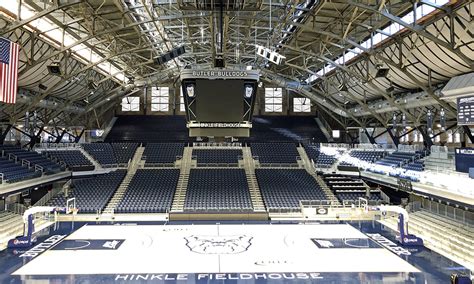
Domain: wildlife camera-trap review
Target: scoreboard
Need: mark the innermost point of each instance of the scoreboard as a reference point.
(466, 110)
(219, 102)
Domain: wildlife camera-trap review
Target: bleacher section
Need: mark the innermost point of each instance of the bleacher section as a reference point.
(149, 129)
(217, 156)
(103, 153)
(319, 158)
(124, 151)
(150, 191)
(162, 153)
(275, 153)
(14, 172)
(415, 166)
(349, 189)
(283, 188)
(93, 193)
(74, 159)
(217, 190)
(32, 157)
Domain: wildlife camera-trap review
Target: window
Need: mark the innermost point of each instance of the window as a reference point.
(131, 104)
(450, 137)
(457, 137)
(160, 99)
(273, 100)
(301, 105)
(181, 101)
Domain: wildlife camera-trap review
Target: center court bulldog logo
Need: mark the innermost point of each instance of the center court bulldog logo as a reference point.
(218, 244)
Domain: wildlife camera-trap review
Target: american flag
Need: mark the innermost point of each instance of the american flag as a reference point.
(8, 71)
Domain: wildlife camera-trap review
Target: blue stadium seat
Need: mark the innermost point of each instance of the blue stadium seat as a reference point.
(103, 153)
(150, 191)
(275, 153)
(283, 188)
(92, 193)
(217, 156)
(74, 159)
(162, 153)
(218, 190)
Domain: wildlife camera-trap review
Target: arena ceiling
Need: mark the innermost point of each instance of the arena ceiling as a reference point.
(107, 49)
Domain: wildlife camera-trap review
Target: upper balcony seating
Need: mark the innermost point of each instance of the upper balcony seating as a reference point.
(150, 191)
(14, 172)
(275, 153)
(364, 155)
(103, 153)
(124, 151)
(320, 159)
(396, 159)
(406, 160)
(74, 159)
(162, 153)
(217, 156)
(149, 129)
(34, 158)
(273, 128)
(283, 188)
(218, 190)
(91, 194)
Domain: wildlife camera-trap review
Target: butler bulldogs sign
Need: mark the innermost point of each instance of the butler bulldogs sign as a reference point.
(212, 74)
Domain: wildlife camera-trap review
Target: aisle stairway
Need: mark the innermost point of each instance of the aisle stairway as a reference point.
(118, 195)
(185, 169)
(308, 166)
(90, 158)
(255, 194)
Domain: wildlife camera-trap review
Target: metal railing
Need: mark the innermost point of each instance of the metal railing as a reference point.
(16, 208)
(47, 197)
(12, 157)
(459, 215)
(39, 168)
(217, 145)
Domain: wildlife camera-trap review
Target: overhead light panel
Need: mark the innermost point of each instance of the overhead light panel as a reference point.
(270, 55)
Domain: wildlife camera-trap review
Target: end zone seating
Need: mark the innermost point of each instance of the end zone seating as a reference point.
(275, 153)
(150, 191)
(102, 153)
(162, 153)
(124, 151)
(283, 188)
(93, 193)
(217, 190)
(217, 156)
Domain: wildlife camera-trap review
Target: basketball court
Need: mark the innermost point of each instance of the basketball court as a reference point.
(199, 249)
